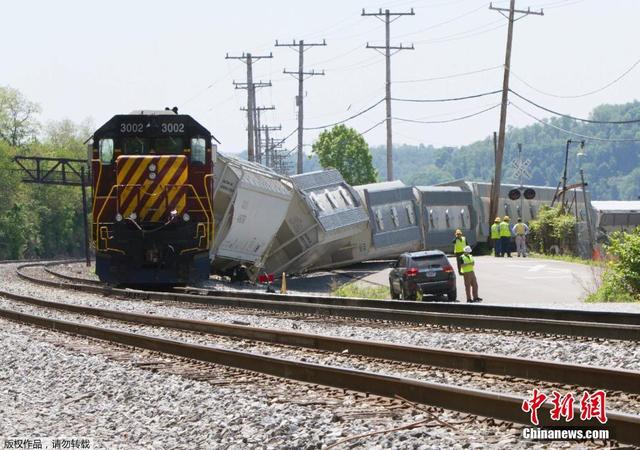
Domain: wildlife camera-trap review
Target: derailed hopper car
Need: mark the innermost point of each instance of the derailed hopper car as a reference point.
(251, 204)
(319, 229)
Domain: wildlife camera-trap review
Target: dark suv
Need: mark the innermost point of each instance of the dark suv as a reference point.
(428, 272)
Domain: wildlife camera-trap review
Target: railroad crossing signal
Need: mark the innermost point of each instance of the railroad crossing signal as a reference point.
(521, 168)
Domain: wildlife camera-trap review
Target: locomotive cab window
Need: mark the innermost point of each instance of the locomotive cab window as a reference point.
(198, 150)
(135, 146)
(168, 146)
(105, 148)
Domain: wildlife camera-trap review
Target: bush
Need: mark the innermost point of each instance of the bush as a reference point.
(553, 227)
(621, 280)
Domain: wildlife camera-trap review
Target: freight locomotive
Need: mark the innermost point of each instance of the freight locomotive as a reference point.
(152, 179)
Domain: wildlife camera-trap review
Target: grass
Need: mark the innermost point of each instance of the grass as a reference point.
(357, 290)
(568, 258)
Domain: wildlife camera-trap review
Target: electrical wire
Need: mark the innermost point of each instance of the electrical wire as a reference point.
(440, 100)
(608, 122)
(448, 120)
(446, 22)
(573, 133)
(455, 75)
(347, 119)
(584, 94)
(288, 136)
(374, 126)
(465, 34)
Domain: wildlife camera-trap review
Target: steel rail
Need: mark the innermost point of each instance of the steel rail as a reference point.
(556, 327)
(572, 315)
(623, 427)
(620, 318)
(579, 375)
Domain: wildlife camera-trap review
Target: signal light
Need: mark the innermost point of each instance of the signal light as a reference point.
(412, 272)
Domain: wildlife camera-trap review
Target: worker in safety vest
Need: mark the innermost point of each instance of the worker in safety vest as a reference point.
(505, 236)
(495, 237)
(520, 230)
(470, 281)
(459, 243)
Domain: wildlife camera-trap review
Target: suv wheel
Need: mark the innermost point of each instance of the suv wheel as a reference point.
(452, 295)
(392, 291)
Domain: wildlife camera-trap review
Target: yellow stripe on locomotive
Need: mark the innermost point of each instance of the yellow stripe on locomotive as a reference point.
(151, 188)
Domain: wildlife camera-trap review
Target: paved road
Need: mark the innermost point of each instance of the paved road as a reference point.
(532, 281)
(502, 281)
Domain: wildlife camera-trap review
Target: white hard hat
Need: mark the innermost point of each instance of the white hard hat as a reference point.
(467, 249)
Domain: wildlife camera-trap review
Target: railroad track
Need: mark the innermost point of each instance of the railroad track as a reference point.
(590, 324)
(624, 427)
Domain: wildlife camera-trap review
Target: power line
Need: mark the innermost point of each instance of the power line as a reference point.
(374, 126)
(463, 34)
(595, 91)
(573, 133)
(441, 100)
(348, 118)
(447, 77)
(446, 22)
(448, 120)
(608, 122)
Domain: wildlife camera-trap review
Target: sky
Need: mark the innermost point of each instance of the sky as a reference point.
(88, 59)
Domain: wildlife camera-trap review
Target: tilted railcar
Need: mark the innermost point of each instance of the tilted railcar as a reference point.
(152, 175)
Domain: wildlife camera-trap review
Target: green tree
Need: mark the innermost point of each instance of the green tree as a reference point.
(17, 117)
(345, 149)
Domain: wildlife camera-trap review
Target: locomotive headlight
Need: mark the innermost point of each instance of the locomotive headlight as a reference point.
(152, 168)
(133, 216)
(152, 175)
(118, 217)
(186, 217)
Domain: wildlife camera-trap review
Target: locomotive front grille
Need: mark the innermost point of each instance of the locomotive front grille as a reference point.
(152, 188)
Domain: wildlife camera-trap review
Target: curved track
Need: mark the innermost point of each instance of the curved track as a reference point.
(623, 427)
(622, 326)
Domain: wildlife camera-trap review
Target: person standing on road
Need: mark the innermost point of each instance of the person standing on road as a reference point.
(495, 237)
(459, 243)
(505, 236)
(470, 281)
(520, 230)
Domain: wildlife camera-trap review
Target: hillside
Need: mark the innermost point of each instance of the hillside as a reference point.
(611, 168)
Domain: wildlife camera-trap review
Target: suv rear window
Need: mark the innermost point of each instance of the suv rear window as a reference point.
(426, 261)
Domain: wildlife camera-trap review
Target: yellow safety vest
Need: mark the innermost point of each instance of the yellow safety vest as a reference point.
(467, 263)
(520, 229)
(495, 231)
(460, 245)
(505, 231)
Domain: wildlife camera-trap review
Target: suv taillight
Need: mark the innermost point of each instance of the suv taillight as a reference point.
(412, 272)
(448, 269)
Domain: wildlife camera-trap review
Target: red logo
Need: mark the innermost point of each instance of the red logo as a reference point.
(592, 405)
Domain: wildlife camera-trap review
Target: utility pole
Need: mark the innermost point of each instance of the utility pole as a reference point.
(387, 17)
(268, 142)
(495, 191)
(250, 86)
(257, 127)
(301, 75)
